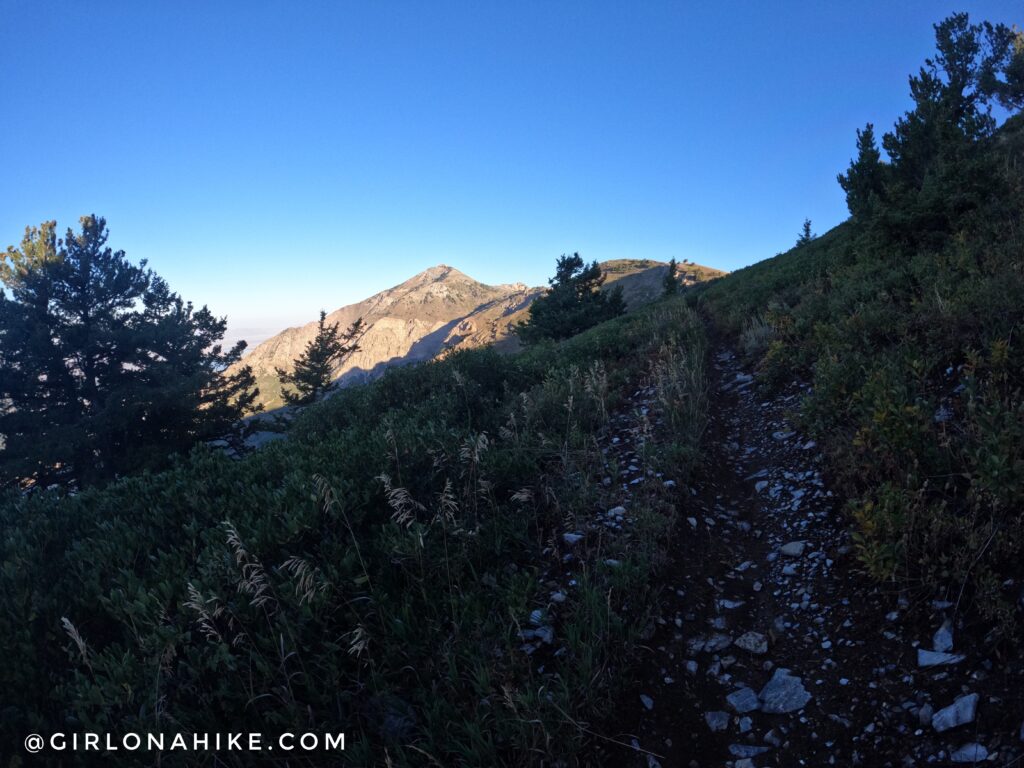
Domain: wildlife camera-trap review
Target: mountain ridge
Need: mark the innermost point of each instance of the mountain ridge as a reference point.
(436, 311)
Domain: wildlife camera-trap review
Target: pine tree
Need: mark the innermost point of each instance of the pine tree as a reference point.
(103, 370)
(864, 181)
(805, 234)
(670, 283)
(313, 371)
(574, 302)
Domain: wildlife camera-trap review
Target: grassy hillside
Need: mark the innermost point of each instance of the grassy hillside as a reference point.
(372, 573)
(910, 329)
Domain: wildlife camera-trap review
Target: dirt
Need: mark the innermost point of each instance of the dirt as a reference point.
(852, 642)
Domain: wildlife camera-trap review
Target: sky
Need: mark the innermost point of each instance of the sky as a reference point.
(270, 158)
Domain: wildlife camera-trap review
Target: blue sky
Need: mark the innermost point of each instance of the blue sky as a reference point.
(273, 158)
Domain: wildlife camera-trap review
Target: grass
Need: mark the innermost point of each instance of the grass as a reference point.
(373, 573)
(912, 343)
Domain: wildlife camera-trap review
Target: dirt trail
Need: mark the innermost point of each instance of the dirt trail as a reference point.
(773, 649)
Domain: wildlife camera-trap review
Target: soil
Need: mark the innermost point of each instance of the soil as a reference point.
(852, 642)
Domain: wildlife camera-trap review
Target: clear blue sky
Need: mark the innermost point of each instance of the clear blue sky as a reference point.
(273, 158)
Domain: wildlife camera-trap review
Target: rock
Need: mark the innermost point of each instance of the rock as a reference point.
(783, 693)
(959, 712)
(717, 720)
(760, 485)
(746, 750)
(942, 641)
(793, 549)
(924, 715)
(935, 659)
(780, 435)
(558, 597)
(742, 701)
(571, 538)
(536, 616)
(692, 521)
(616, 511)
(545, 634)
(717, 643)
(753, 642)
(647, 701)
(745, 724)
(970, 753)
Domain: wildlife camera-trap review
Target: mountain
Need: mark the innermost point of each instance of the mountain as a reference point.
(438, 310)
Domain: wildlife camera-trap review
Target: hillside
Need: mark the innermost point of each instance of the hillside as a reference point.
(416, 564)
(438, 311)
(776, 519)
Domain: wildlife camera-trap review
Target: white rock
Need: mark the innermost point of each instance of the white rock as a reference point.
(935, 659)
(942, 641)
(959, 712)
(792, 549)
(970, 753)
(753, 642)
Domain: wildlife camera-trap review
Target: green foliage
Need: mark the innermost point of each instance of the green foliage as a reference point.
(313, 371)
(907, 318)
(805, 234)
(670, 283)
(574, 302)
(371, 573)
(104, 371)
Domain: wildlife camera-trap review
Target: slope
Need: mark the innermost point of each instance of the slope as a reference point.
(436, 312)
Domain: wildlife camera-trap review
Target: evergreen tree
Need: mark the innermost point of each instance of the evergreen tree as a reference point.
(939, 169)
(805, 234)
(313, 372)
(574, 302)
(104, 371)
(670, 283)
(864, 182)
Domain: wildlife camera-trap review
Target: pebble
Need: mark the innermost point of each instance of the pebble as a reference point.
(744, 700)
(717, 720)
(934, 658)
(783, 693)
(970, 753)
(753, 642)
(943, 638)
(959, 712)
(792, 549)
(647, 701)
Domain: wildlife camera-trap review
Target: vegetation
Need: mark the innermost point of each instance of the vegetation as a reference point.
(574, 303)
(908, 318)
(103, 370)
(372, 572)
(670, 283)
(805, 234)
(313, 372)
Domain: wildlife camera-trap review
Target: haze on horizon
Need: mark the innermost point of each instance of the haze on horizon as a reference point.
(269, 160)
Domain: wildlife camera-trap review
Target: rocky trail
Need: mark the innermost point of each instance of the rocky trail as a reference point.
(772, 648)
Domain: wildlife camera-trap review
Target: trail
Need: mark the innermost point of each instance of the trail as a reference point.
(774, 649)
